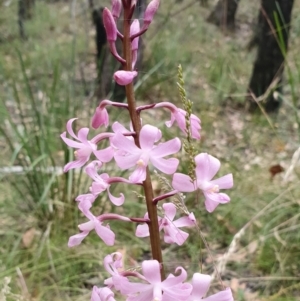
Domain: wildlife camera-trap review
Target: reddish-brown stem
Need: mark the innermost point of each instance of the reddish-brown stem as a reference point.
(136, 123)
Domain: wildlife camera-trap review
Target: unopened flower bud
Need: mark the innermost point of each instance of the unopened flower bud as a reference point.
(116, 8)
(149, 13)
(134, 28)
(111, 33)
(110, 25)
(124, 78)
(100, 118)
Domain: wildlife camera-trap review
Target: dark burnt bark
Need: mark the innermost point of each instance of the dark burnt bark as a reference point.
(100, 40)
(224, 13)
(272, 39)
(25, 12)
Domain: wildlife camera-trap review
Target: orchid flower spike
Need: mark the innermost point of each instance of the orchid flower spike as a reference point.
(129, 155)
(206, 168)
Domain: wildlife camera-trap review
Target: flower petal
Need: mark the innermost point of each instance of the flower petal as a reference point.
(225, 182)
(70, 129)
(121, 142)
(170, 211)
(206, 166)
(225, 295)
(102, 294)
(118, 127)
(171, 281)
(148, 136)
(151, 271)
(167, 148)
(75, 164)
(76, 239)
(167, 166)
(82, 135)
(142, 231)
(210, 205)
(214, 199)
(139, 175)
(126, 161)
(118, 201)
(107, 235)
(183, 183)
(70, 142)
(201, 285)
(184, 221)
(105, 155)
(217, 197)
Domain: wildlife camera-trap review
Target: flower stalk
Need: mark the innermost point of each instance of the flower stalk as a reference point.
(136, 123)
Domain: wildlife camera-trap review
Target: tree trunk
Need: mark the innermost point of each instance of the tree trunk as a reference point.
(100, 41)
(272, 40)
(224, 13)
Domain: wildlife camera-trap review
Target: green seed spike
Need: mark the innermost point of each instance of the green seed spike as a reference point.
(187, 105)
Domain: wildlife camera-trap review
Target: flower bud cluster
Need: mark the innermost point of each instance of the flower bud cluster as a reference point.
(137, 152)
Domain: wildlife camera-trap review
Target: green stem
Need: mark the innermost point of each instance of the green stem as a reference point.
(136, 123)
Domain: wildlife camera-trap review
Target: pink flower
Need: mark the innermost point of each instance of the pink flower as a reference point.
(102, 182)
(113, 265)
(124, 78)
(129, 155)
(100, 117)
(169, 226)
(171, 289)
(201, 285)
(206, 168)
(85, 147)
(178, 115)
(95, 223)
(86, 198)
(102, 294)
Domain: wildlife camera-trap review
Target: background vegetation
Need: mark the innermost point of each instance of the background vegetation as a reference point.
(50, 77)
